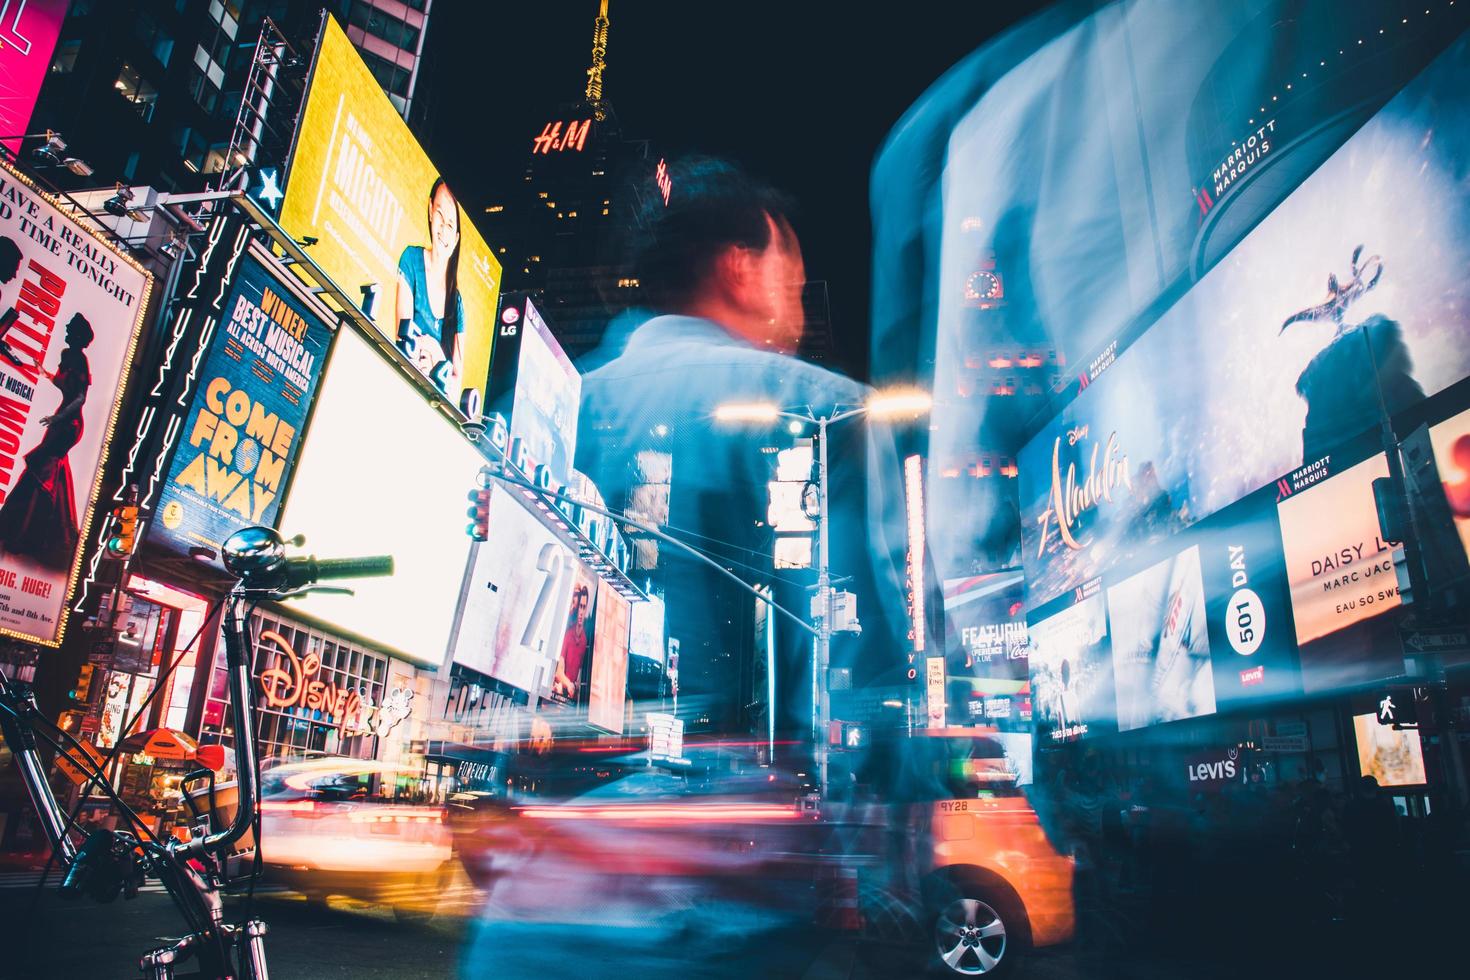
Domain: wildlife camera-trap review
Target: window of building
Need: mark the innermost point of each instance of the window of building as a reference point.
(393, 78)
(215, 159)
(212, 69)
(227, 15)
(65, 60)
(203, 91)
(137, 90)
(158, 41)
(383, 25)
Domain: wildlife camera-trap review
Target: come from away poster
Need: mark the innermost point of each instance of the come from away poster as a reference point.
(245, 422)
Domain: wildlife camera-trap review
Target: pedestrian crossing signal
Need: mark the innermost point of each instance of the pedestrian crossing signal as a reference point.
(125, 541)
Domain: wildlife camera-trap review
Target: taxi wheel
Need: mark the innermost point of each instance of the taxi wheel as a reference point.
(974, 931)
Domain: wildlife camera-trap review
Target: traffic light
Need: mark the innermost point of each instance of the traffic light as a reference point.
(84, 684)
(479, 513)
(71, 721)
(126, 539)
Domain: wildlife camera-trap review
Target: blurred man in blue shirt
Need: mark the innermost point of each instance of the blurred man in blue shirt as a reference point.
(722, 266)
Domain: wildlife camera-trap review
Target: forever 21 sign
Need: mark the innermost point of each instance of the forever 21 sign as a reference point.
(1214, 769)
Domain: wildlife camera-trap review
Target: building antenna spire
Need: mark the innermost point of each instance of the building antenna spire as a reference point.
(599, 63)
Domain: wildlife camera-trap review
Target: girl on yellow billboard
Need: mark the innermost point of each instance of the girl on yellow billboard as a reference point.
(429, 310)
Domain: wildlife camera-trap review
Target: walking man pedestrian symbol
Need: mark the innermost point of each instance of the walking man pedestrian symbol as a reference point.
(1385, 709)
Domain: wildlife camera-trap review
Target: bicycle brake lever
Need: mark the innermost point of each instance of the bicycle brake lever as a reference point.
(320, 589)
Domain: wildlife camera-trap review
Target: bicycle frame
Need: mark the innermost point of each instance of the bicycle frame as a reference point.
(183, 867)
(195, 871)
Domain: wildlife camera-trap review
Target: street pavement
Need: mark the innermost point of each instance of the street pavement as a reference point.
(346, 938)
(43, 937)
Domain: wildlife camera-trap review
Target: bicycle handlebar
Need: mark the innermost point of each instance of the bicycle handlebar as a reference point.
(255, 556)
(306, 571)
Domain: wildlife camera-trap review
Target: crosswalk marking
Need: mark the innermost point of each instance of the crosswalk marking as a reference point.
(152, 886)
(458, 897)
(29, 879)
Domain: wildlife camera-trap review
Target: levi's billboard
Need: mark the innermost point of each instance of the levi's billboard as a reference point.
(1214, 769)
(245, 421)
(388, 230)
(1290, 347)
(71, 307)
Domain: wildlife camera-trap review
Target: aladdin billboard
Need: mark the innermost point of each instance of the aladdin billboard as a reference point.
(71, 306)
(388, 230)
(1259, 374)
(248, 412)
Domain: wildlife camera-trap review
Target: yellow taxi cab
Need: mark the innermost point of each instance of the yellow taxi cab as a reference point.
(993, 884)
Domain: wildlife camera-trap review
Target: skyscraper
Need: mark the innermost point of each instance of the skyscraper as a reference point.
(149, 92)
(558, 228)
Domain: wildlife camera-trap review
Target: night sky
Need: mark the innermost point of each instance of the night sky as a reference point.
(802, 93)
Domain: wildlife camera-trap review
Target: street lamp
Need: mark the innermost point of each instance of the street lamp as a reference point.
(893, 403)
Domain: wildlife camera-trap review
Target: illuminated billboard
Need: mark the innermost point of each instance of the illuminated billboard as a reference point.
(71, 306)
(1247, 603)
(646, 634)
(28, 33)
(1394, 758)
(1072, 686)
(1451, 442)
(517, 599)
(985, 625)
(386, 227)
(382, 471)
(987, 650)
(244, 424)
(569, 681)
(1161, 645)
(608, 690)
(1258, 371)
(1339, 567)
(535, 387)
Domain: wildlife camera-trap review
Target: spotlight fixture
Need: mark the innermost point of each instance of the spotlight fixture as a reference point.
(173, 247)
(117, 204)
(307, 241)
(51, 152)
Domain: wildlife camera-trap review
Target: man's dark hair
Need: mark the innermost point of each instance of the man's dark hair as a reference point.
(713, 205)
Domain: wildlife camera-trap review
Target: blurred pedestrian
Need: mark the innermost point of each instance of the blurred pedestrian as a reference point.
(721, 271)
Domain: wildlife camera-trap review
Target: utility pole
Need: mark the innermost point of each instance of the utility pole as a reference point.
(822, 706)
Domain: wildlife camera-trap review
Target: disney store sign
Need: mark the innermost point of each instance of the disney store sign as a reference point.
(295, 682)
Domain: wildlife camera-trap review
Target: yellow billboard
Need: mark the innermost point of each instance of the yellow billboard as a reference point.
(388, 229)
